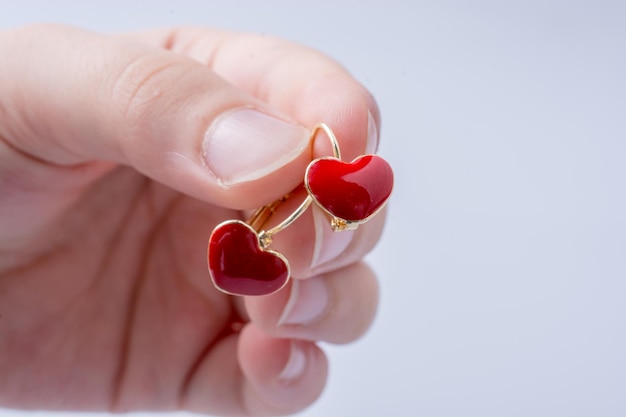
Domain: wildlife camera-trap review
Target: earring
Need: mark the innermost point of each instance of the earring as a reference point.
(351, 193)
(240, 262)
(239, 259)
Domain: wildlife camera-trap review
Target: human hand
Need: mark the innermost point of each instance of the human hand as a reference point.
(118, 156)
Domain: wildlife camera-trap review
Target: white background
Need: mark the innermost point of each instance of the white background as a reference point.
(503, 266)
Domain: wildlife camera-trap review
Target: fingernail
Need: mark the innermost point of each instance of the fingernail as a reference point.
(245, 144)
(328, 243)
(308, 301)
(372, 134)
(295, 366)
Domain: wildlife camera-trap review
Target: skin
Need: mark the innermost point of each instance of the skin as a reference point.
(105, 300)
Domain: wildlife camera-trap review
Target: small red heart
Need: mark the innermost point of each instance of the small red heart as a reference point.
(350, 191)
(239, 266)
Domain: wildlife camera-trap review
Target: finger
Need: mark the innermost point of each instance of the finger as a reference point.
(71, 96)
(297, 80)
(336, 307)
(254, 374)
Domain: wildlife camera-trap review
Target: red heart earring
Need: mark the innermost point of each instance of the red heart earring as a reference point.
(240, 262)
(350, 192)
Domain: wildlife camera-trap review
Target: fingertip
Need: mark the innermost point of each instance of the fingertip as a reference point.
(337, 307)
(283, 376)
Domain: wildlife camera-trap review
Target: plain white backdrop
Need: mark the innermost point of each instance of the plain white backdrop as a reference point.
(503, 266)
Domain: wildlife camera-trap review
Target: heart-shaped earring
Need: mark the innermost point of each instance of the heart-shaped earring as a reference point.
(350, 192)
(240, 262)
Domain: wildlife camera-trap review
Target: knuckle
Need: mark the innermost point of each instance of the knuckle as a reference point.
(140, 90)
(143, 94)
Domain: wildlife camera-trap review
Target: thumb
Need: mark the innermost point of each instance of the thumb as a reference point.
(71, 96)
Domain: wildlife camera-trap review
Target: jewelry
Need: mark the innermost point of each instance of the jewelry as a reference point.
(240, 262)
(239, 259)
(351, 193)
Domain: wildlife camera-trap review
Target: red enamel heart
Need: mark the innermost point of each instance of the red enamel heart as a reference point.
(350, 191)
(239, 266)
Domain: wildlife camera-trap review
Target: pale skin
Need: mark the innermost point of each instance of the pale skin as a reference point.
(106, 208)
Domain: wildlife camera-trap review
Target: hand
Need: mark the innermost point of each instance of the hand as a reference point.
(118, 156)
